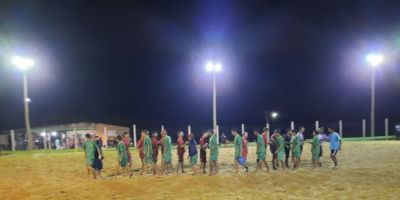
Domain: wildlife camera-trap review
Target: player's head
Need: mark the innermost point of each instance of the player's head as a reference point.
(88, 136)
(331, 130)
(302, 129)
(190, 136)
(315, 133)
(164, 132)
(154, 133)
(256, 132)
(180, 133)
(144, 133)
(126, 135)
(277, 132)
(294, 131)
(245, 134)
(96, 137)
(118, 138)
(321, 129)
(265, 129)
(234, 131)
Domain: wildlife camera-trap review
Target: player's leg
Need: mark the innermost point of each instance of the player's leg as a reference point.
(266, 165)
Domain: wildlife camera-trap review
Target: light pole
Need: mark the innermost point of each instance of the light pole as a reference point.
(25, 64)
(374, 60)
(214, 68)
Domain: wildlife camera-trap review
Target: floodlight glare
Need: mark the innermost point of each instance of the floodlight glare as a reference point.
(209, 66)
(22, 63)
(374, 59)
(28, 100)
(43, 134)
(218, 67)
(274, 115)
(53, 133)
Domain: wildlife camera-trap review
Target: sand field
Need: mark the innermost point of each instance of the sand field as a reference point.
(367, 170)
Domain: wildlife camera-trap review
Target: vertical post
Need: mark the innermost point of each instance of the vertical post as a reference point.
(26, 108)
(215, 103)
(217, 129)
(162, 127)
(76, 139)
(189, 130)
(316, 125)
(12, 140)
(44, 139)
(134, 134)
(292, 125)
(341, 128)
(105, 135)
(364, 127)
(242, 129)
(49, 139)
(373, 103)
(268, 132)
(386, 127)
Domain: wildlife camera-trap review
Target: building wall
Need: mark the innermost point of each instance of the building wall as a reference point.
(112, 131)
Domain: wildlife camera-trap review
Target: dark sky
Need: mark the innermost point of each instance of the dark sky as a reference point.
(143, 62)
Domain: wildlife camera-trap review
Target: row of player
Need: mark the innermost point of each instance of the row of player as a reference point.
(281, 146)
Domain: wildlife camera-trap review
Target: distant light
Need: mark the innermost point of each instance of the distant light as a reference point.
(43, 134)
(63, 136)
(22, 63)
(374, 59)
(28, 100)
(53, 133)
(274, 115)
(210, 66)
(218, 67)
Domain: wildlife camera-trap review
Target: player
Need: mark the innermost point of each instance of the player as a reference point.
(260, 151)
(322, 137)
(335, 145)
(203, 150)
(238, 150)
(147, 152)
(213, 153)
(280, 147)
(155, 144)
(245, 148)
(122, 156)
(193, 153)
(295, 145)
(315, 148)
(90, 147)
(288, 137)
(302, 129)
(140, 148)
(180, 151)
(167, 154)
(265, 137)
(98, 157)
(272, 148)
(127, 142)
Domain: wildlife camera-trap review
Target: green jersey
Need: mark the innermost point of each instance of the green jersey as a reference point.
(295, 142)
(260, 148)
(122, 155)
(148, 150)
(213, 148)
(89, 147)
(315, 148)
(238, 146)
(281, 148)
(167, 144)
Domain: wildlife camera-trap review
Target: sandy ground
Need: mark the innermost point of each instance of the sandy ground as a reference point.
(368, 170)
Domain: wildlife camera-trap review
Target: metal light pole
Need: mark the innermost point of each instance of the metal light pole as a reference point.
(25, 64)
(374, 60)
(214, 68)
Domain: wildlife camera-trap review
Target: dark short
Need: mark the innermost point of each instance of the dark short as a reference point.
(334, 151)
(287, 152)
(320, 151)
(181, 152)
(203, 156)
(301, 149)
(155, 155)
(272, 148)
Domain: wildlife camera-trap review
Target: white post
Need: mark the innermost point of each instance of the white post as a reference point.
(44, 139)
(217, 129)
(341, 128)
(105, 135)
(292, 125)
(268, 131)
(215, 104)
(12, 140)
(189, 130)
(134, 134)
(316, 125)
(386, 127)
(162, 127)
(364, 128)
(49, 139)
(76, 139)
(242, 129)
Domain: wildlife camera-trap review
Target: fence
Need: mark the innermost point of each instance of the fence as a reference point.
(17, 139)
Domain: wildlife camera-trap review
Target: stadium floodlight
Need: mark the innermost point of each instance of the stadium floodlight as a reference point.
(24, 64)
(274, 115)
(374, 60)
(53, 133)
(214, 67)
(43, 134)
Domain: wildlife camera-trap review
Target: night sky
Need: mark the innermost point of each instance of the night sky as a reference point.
(125, 62)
